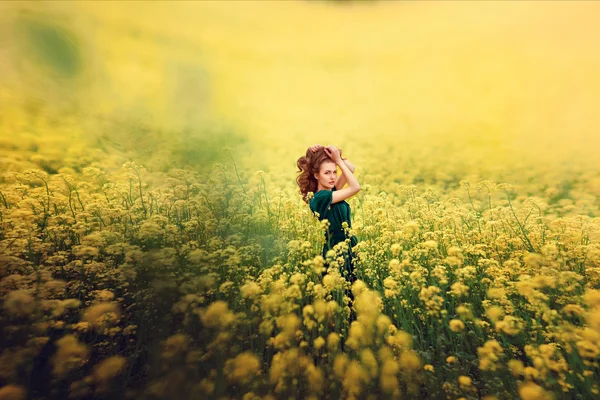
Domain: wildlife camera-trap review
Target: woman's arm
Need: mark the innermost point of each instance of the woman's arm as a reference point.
(341, 180)
(353, 185)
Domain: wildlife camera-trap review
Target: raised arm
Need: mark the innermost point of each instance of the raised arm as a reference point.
(353, 185)
(341, 180)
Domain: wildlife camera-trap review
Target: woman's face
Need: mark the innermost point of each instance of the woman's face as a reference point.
(327, 175)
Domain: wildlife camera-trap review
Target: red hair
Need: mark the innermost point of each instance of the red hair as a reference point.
(308, 165)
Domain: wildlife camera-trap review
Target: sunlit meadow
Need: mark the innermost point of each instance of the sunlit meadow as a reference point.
(153, 243)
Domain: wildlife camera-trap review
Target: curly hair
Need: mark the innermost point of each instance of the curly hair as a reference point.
(308, 165)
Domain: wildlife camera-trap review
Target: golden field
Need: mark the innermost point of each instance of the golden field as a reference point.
(153, 244)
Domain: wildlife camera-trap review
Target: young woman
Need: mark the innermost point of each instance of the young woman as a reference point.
(319, 175)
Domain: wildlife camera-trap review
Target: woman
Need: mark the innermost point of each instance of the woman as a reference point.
(318, 174)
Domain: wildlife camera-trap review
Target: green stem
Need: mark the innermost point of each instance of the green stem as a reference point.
(236, 172)
(4, 200)
(521, 227)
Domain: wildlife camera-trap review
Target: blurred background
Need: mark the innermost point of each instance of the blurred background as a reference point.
(447, 89)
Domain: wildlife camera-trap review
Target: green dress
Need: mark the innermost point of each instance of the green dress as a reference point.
(336, 213)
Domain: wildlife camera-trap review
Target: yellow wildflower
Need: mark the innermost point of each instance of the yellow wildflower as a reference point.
(400, 340)
(465, 382)
(332, 341)
(217, 315)
(388, 379)
(494, 313)
(71, 354)
(531, 373)
(456, 325)
(318, 342)
(459, 289)
(409, 360)
(12, 392)
(532, 391)
(108, 369)
(250, 289)
(516, 367)
(101, 315)
(243, 368)
(19, 303)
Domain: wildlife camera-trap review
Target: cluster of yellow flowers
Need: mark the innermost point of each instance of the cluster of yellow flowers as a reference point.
(235, 283)
(478, 261)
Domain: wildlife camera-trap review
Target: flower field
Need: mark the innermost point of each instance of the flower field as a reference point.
(138, 262)
(207, 289)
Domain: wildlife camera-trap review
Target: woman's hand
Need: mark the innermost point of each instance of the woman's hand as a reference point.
(333, 153)
(316, 147)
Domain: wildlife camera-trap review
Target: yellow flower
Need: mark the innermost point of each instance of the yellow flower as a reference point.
(489, 355)
(368, 305)
(368, 359)
(318, 342)
(454, 251)
(464, 312)
(516, 367)
(430, 244)
(510, 325)
(12, 392)
(108, 369)
(71, 354)
(388, 379)
(250, 289)
(355, 378)
(100, 315)
(494, 313)
(456, 325)
(332, 341)
(308, 311)
(329, 281)
(409, 360)
(432, 300)
(315, 378)
(358, 287)
(573, 310)
(593, 319)
(464, 382)
(251, 396)
(19, 303)
(395, 249)
(356, 335)
(428, 368)
(242, 368)
(401, 340)
(217, 315)
(175, 345)
(531, 373)
(591, 335)
(451, 359)
(103, 295)
(339, 365)
(459, 289)
(592, 298)
(319, 264)
(330, 253)
(383, 323)
(587, 349)
(531, 391)
(391, 286)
